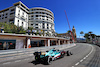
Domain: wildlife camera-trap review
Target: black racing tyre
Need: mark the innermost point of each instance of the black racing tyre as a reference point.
(68, 53)
(49, 60)
(71, 53)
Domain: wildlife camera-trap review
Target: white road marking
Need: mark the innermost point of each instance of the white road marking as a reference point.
(26, 59)
(7, 63)
(84, 57)
(77, 63)
(81, 60)
(17, 60)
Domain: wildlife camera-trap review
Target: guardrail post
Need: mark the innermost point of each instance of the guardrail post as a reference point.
(59, 42)
(64, 41)
(68, 42)
(48, 42)
(28, 42)
(56, 42)
(45, 43)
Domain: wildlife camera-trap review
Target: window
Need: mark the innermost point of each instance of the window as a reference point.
(19, 10)
(43, 16)
(18, 14)
(47, 27)
(6, 13)
(36, 27)
(5, 17)
(42, 12)
(36, 15)
(0, 15)
(36, 24)
(32, 24)
(11, 13)
(32, 16)
(18, 20)
(47, 24)
(22, 23)
(43, 23)
(43, 27)
(12, 9)
(23, 13)
(32, 9)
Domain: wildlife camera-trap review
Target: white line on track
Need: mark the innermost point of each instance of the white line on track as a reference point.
(7, 63)
(84, 57)
(26, 59)
(17, 60)
(81, 60)
(77, 63)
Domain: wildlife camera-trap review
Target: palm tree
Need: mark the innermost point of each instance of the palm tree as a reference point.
(90, 35)
(90, 32)
(81, 32)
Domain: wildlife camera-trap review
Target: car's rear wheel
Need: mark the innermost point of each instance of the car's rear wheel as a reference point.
(68, 53)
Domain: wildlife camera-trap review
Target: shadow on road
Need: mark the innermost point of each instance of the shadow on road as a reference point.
(37, 62)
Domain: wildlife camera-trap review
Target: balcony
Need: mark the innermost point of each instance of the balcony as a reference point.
(23, 18)
(12, 15)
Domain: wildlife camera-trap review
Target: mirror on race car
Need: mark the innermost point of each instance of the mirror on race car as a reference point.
(47, 51)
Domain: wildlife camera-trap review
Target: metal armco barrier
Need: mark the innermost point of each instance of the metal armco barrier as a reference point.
(5, 54)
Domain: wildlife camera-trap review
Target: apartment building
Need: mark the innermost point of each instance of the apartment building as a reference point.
(16, 14)
(41, 19)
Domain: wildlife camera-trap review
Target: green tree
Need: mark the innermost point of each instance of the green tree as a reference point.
(11, 28)
(30, 28)
(90, 32)
(81, 32)
(20, 30)
(93, 35)
(68, 31)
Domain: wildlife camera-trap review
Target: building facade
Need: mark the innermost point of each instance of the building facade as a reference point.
(74, 33)
(16, 14)
(42, 19)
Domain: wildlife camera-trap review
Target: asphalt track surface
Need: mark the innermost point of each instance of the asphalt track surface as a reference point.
(82, 56)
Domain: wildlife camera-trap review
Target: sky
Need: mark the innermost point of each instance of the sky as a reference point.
(84, 15)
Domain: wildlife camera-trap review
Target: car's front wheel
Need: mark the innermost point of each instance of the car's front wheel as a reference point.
(49, 60)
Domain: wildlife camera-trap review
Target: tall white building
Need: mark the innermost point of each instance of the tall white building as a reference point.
(41, 19)
(17, 14)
